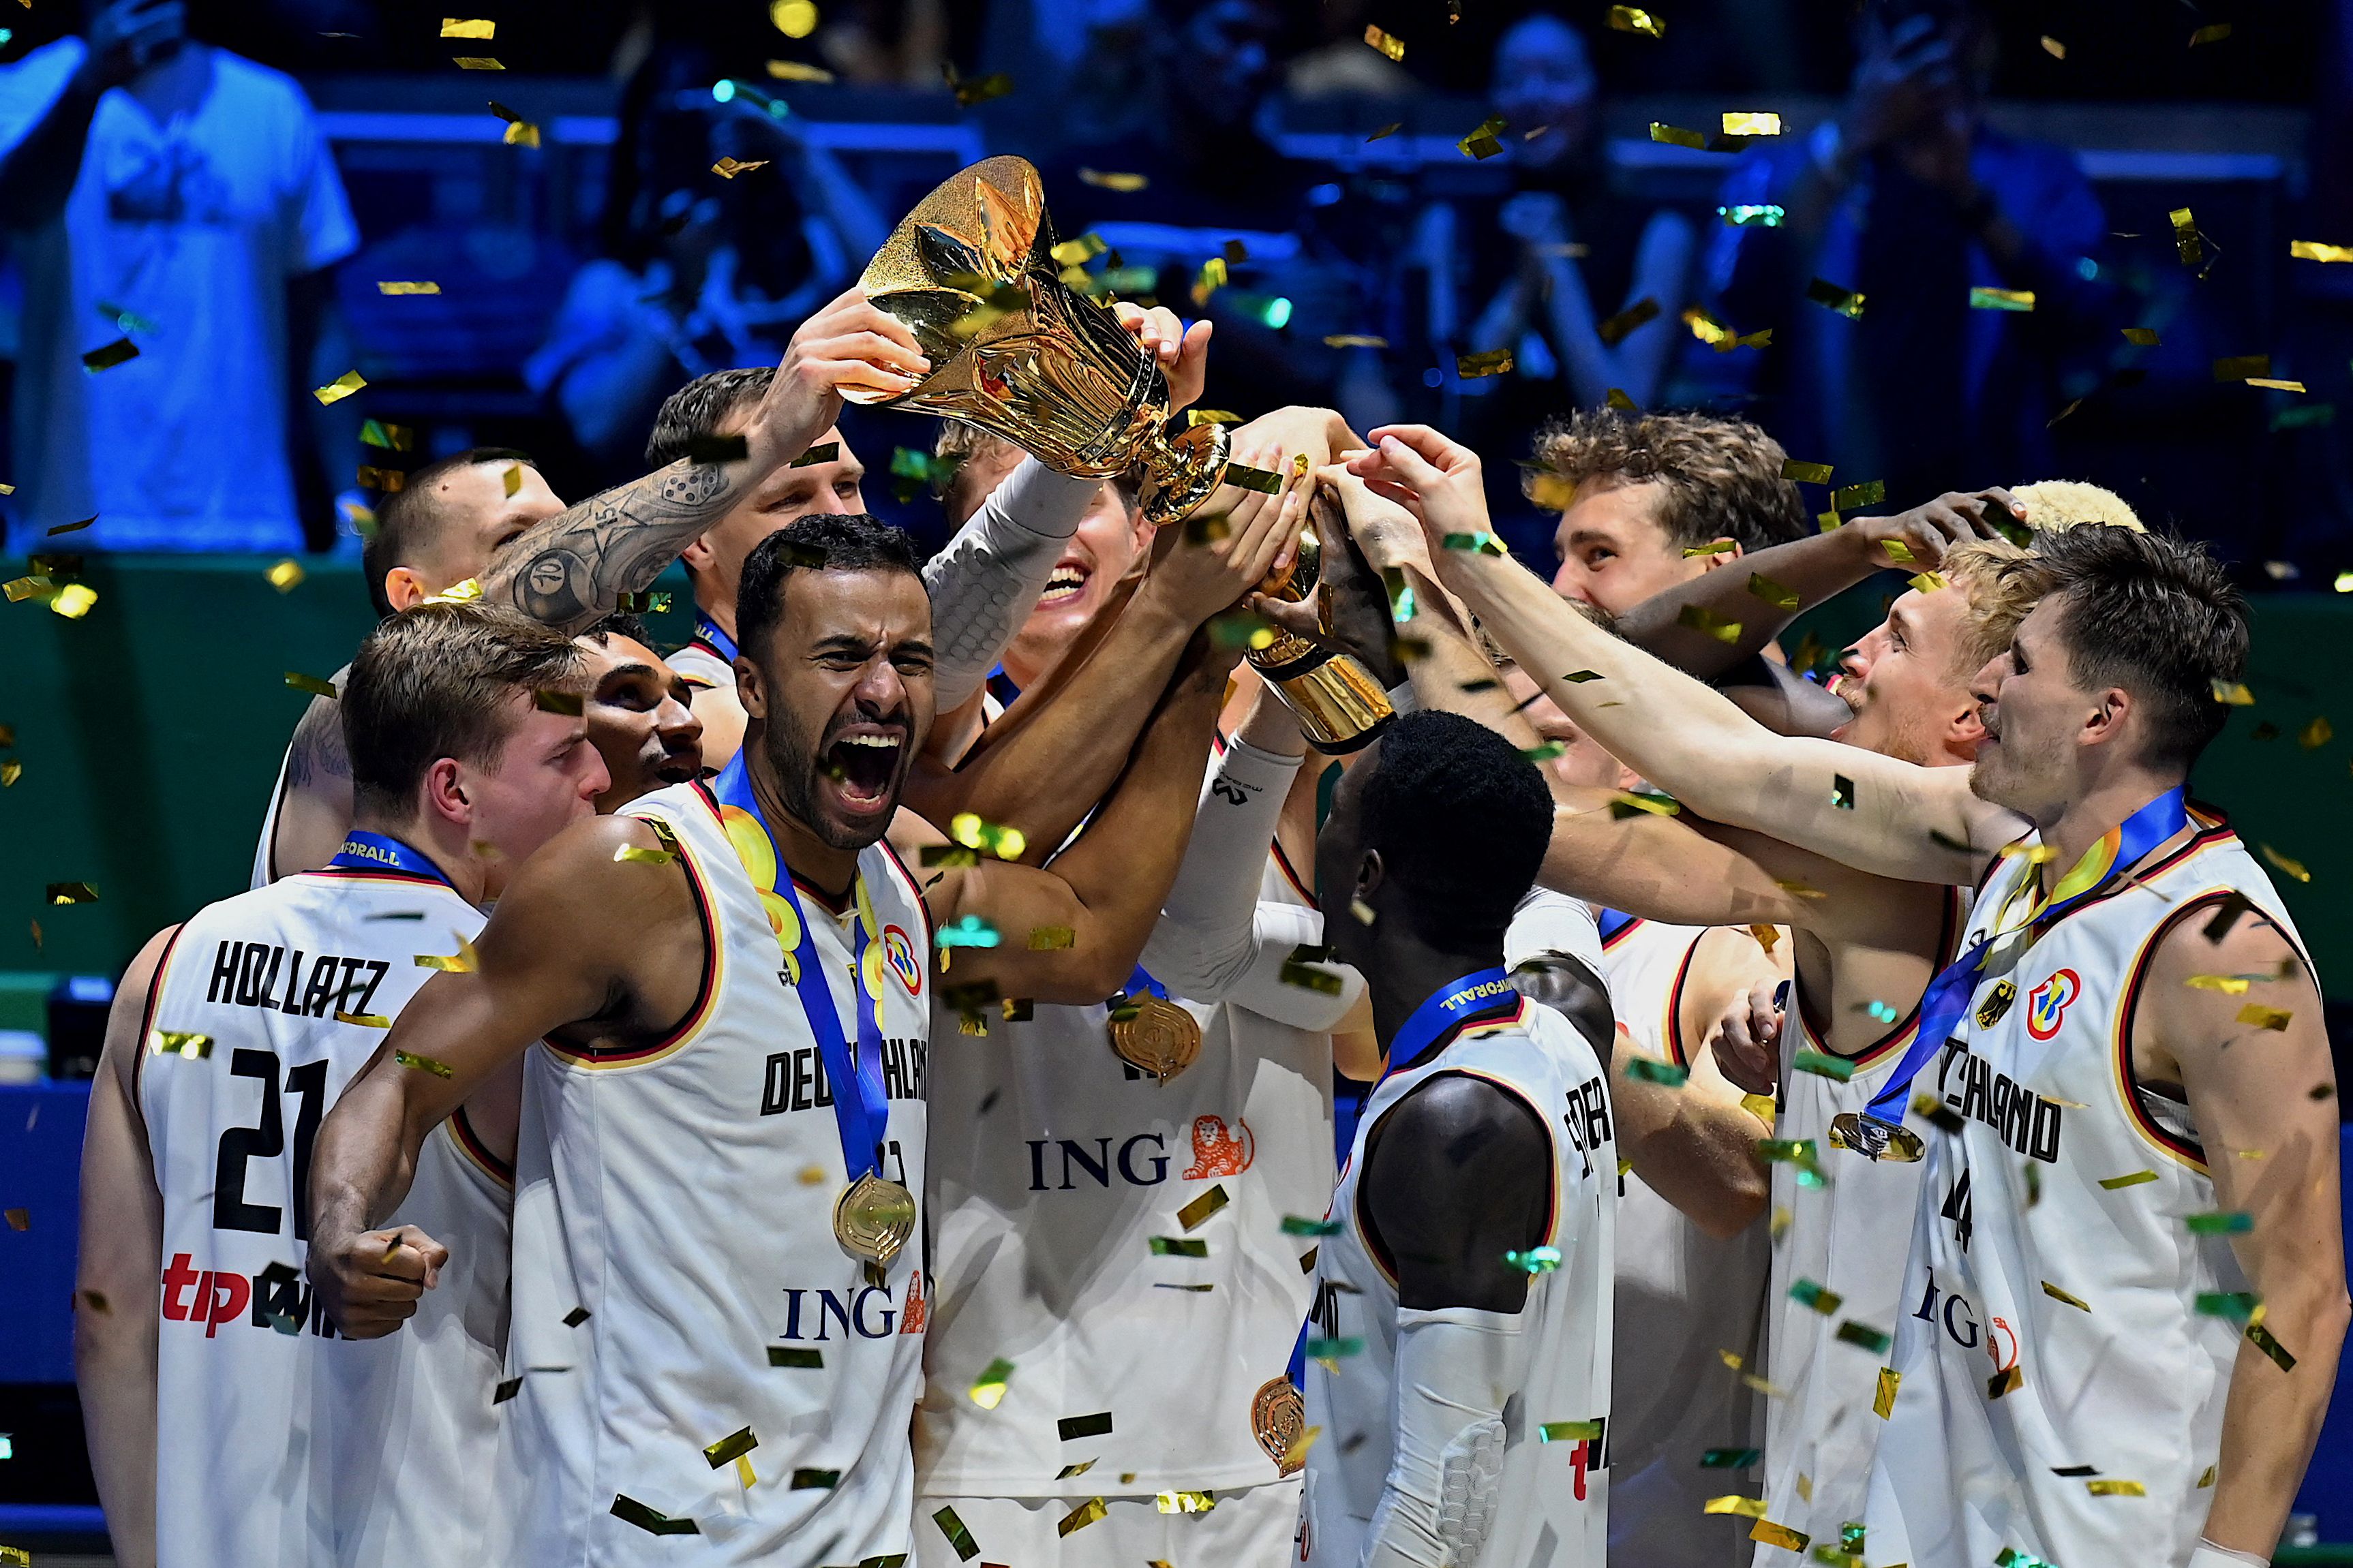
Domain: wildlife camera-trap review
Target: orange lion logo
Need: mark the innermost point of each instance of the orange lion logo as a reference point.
(1217, 1153)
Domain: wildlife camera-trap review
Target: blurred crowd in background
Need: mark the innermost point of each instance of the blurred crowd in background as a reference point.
(202, 201)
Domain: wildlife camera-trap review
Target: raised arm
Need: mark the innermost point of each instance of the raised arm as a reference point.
(1044, 765)
(1871, 812)
(2266, 1114)
(121, 1256)
(569, 571)
(1106, 890)
(564, 948)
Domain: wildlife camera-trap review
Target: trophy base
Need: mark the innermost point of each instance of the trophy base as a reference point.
(1340, 706)
(1182, 472)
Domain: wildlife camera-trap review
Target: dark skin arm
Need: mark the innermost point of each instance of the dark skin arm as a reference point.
(1457, 1174)
(1045, 762)
(1108, 887)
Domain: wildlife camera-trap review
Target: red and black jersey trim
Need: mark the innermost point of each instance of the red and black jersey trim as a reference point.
(147, 1014)
(462, 1130)
(622, 1056)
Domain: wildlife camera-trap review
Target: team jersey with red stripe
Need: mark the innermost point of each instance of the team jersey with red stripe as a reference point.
(1552, 1506)
(1694, 1294)
(277, 1441)
(1846, 1233)
(678, 1281)
(2049, 1337)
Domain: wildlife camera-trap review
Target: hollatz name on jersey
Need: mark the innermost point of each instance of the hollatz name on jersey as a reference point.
(277, 1297)
(2022, 1118)
(245, 975)
(796, 1080)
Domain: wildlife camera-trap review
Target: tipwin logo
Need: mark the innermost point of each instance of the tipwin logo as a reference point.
(2047, 1004)
(279, 1297)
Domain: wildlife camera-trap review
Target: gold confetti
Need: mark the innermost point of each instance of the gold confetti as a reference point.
(2239, 367)
(477, 63)
(2141, 337)
(73, 600)
(731, 1447)
(115, 354)
(285, 576)
(312, 684)
(1390, 44)
(343, 386)
(2317, 734)
(404, 1058)
(2114, 1183)
(1110, 180)
(2115, 1489)
(1699, 618)
(1185, 1502)
(1752, 124)
(1619, 401)
(988, 1389)
(1883, 1403)
(1387, 131)
(2229, 985)
(728, 168)
(2261, 1337)
(1676, 136)
(451, 27)
(1929, 582)
(1806, 473)
(1760, 1106)
(2293, 867)
(1354, 341)
(794, 18)
(794, 71)
(69, 893)
(1779, 596)
(1781, 1535)
(1294, 1452)
(10, 771)
(643, 856)
(1744, 1507)
(1615, 330)
(1078, 1518)
(2001, 299)
(2212, 33)
(1194, 1214)
(2054, 47)
(1471, 367)
(2273, 1018)
(2009, 1379)
(391, 288)
(19, 1219)
(2056, 1294)
(1631, 20)
(1482, 142)
(2234, 692)
(2313, 250)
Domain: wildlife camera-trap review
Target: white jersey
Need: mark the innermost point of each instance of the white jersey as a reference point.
(1552, 1506)
(262, 851)
(708, 661)
(2051, 1339)
(1051, 1177)
(1847, 1235)
(277, 1441)
(678, 1279)
(1695, 1296)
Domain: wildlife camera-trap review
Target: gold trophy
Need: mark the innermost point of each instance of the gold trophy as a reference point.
(1017, 351)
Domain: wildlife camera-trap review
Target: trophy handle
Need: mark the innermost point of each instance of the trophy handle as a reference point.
(1181, 471)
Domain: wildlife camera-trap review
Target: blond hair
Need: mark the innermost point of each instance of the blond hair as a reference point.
(1999, 598)
(2071, 503)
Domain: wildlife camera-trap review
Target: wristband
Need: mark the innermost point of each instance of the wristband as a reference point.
(1402, 700)
(2209, 1555)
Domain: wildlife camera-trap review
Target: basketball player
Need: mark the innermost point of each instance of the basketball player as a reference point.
(1458, 1393)
(2092, 719)
(717, 1196)
(456, 521)
(638, 713)
(238, 1417)
(1028, 516)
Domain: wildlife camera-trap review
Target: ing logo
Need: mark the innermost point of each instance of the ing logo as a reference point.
(2047, 1004)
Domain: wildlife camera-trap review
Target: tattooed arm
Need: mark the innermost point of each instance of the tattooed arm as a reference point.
(569, 571)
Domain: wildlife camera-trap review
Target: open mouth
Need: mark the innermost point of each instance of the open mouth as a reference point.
(678, 767)
(1846, 686)
(863, 763)
(1069, 581)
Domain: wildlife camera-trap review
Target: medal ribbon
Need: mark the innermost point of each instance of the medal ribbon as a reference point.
(1948, 996)
(1450, 1005)
(1141, 983)
(1612, 921)
(707, 630)
(861, 1109)
(381, 852)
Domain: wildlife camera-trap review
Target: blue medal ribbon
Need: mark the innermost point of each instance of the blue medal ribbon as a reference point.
(707, 630)
(1141, 982)
(381, 852)
(1612, 921)
(1449, 1006)
(861, 1109)
(1948, 996)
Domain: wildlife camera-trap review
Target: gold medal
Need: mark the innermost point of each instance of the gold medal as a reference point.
(873, 1218)
(1875, 1140)
(1153, 1035)
(1277, 1417)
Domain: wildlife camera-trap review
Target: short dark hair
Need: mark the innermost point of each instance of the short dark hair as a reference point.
(1722, 475)
(1462, 820)
(408, 520)
(845, 542)
(619, 624)
(2153, 614)
(696, 410)
(433, 682)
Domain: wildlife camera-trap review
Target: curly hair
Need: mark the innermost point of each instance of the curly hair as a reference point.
(1722, 477)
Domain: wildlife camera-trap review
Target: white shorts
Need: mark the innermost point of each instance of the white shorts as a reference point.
(1252, 1526)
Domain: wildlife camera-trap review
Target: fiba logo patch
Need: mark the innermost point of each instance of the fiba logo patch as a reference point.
(900, 953)
(2047, 1004)
(1218, 1151)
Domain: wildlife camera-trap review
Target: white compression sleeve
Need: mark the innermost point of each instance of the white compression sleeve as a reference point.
(1456, 1370)
(2209, 1556)
(987, 580)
